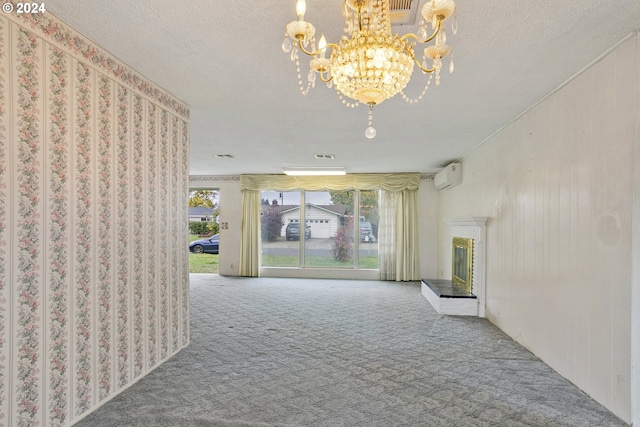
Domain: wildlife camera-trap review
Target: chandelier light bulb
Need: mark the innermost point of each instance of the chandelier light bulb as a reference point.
(301, 8)
(322, 46)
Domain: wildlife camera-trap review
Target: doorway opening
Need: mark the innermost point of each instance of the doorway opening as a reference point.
(204, 227)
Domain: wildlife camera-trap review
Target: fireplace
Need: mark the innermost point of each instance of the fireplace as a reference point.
(461, 289)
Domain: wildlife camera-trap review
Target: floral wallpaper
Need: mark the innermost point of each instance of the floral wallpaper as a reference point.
(93, 224)
(104, 255)
(27, 220)
(4, 218)
(58, 235)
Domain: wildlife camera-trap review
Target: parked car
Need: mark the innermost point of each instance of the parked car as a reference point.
(210, 245)
(366, 232)
(293, 231)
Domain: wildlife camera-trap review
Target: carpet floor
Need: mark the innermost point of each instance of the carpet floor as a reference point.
(292, 352)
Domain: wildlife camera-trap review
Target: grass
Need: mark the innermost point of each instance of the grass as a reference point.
(202, 263)
(209, 263)
(292, 261)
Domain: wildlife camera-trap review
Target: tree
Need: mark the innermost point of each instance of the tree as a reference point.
(368, 202)
(203, 198)
(271, 223)
(344, 198)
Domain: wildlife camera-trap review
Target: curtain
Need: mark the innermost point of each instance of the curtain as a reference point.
(387, 235)
(357, 181)
(398, 242)
(250, 232)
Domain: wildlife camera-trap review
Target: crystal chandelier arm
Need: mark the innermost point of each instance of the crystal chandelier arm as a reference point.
(325, 80)
(310, 53)
(431, 37)
(424, 70)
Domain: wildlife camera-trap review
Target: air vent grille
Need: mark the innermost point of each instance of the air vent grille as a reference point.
(400, 4)
(403, 12)
(324, 156)
(223, 156)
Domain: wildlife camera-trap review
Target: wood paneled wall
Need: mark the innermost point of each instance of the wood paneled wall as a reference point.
(557, 184)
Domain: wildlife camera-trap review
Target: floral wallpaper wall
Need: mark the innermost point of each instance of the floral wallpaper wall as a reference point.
(93, 224)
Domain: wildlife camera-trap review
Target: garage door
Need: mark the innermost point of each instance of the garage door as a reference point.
(320, 228)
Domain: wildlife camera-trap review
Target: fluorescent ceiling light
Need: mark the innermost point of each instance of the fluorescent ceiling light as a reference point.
(314, 171)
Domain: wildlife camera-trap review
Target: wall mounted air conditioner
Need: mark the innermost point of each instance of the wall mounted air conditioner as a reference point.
(448, 177)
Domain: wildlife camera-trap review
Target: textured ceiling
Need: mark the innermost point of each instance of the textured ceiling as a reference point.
(223, 59)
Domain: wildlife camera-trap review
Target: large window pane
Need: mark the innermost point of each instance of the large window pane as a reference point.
(324, 229)
(329, 224)
(368, 229)
(280, 222)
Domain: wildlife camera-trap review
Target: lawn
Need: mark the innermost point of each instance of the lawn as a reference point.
(202, 263)
(208, 263)
(310, 261)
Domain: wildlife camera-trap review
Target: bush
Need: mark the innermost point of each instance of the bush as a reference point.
(342, 245)
(203, 227)
(213, 227)
(271, 224)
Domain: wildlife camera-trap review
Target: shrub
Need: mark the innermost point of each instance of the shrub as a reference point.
(342, 245)
(212, 227)
(203, 227)
(271, 224)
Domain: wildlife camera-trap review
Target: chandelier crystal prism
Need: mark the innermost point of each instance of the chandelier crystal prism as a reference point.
(369, 64)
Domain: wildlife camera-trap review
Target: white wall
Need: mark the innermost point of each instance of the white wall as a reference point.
(635, 292)
(230, 214)
(557, 184)
(428, 211)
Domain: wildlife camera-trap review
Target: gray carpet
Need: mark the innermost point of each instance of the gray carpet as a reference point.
(289, 352)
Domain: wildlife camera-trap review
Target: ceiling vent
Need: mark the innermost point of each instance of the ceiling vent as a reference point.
(324, 156)
(403, 12)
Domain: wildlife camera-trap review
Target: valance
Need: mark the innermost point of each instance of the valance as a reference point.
(355, 181)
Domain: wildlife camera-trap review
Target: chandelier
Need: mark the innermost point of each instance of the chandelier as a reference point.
(369, 64)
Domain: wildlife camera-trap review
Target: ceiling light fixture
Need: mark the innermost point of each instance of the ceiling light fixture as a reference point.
(314, 171)
(369, 64)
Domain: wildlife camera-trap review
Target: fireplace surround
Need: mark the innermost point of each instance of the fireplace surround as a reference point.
(469, 235)
(473, 228)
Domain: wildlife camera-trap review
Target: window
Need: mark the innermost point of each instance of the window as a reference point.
(331, 242)
(368, 229)
(279, 215)
(329, 237)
